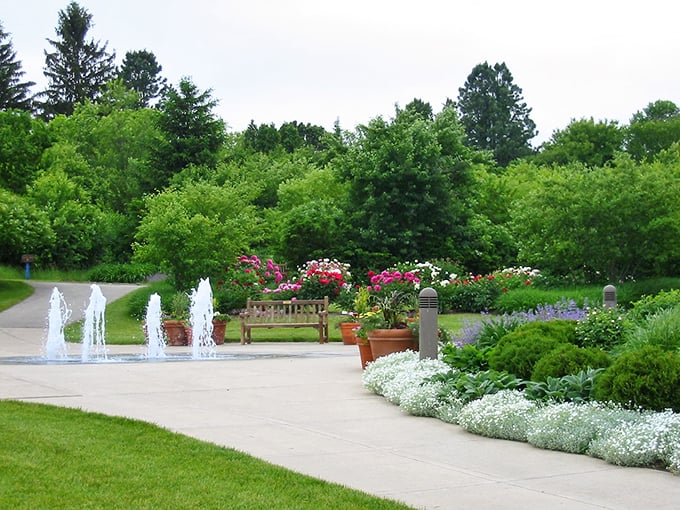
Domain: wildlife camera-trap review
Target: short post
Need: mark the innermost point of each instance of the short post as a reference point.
(26, 260)
(428, 330)
(609, 296)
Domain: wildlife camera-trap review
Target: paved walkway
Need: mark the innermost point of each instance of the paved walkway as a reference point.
(302, 406)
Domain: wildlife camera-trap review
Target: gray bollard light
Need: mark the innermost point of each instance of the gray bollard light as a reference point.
(428, 330)
(609, 296)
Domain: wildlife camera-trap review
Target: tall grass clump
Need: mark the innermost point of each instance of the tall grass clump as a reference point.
(661, 330)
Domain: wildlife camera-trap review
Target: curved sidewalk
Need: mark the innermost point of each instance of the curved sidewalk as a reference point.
(302, 406)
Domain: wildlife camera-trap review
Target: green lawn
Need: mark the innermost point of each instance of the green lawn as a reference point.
(53, 457)
(12, 292)
(123, 329)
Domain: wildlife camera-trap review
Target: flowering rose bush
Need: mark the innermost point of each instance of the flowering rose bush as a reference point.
(247, 277)
(323, 277)
(477, 293)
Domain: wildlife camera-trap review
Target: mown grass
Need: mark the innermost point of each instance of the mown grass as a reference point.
(53, 457)
(12, 292)
(47, 274)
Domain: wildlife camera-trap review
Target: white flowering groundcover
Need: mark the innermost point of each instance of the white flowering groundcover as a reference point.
(619, 436)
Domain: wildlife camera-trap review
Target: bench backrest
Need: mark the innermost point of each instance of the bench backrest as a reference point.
(286, 311)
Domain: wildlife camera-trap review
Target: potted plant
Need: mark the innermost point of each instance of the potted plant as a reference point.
(174, 323)
(220, 320)
(386, 326)
(349, 322)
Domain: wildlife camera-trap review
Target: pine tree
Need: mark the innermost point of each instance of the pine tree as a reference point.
(141, 72)
(494, 113)
(79, 69)
(14, 94)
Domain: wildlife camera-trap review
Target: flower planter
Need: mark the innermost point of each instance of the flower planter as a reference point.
(174, 331)
(218, 332)
(347, 332)
(365, 352)
(389, 341)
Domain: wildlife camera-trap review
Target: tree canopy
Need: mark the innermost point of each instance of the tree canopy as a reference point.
(78, 68)
(14, 93)
(494, 113)
(141, 72)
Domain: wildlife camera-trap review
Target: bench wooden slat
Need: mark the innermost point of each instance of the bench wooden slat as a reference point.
(292, 313)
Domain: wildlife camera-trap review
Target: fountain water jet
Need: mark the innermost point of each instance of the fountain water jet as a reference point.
(155, 344)
(55, 345)
(200, 317)
(93, 327)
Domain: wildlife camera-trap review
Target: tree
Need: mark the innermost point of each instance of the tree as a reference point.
(78, 69)
(24, 139)
(195, 232)
(494, 114)
(584, 141)
(654, 129)
(75, 221)
(309, 216)
(24, 228)
(420, 108)
(619, 222)
(14, 94)
(408, 182)
(141, 72)
(193, 134)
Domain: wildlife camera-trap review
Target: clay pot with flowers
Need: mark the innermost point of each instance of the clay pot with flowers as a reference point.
(386, 326)
(349, 322)
(174, 322)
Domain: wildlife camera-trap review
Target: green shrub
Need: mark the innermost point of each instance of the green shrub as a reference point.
(489, 332)
(630, 292)
(602, 327)
(519, 351)
(120, 273)
(468, 358)
(139, 299)
(475, 297)
(651, 305)
(578, 387)
(466, 387)
(530, 298)
(646, 377)
(661, 330)
(568, 359)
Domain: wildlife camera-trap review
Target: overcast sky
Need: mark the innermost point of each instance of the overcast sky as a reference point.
(316, 61)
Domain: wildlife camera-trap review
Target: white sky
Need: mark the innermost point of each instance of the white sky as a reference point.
(317, 61)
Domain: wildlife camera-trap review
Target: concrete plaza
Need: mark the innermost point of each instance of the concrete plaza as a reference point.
(302, 406)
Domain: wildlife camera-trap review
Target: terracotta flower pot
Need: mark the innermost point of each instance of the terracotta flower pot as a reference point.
(347, 332)
(389, 341)
(218, 332)
(365, 352)
(174, 331)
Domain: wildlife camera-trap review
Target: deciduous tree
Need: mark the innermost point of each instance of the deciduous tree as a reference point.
(652, 130)
(583, 141)
(407, 177)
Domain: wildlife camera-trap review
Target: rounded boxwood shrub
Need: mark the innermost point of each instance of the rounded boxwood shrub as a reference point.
(519, 351)
(647, 377)
(568, 359)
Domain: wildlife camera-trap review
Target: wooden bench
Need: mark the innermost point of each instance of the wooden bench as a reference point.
(294, 313)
